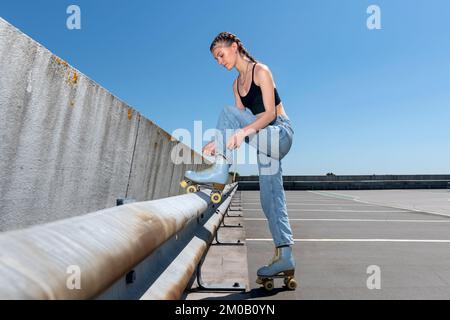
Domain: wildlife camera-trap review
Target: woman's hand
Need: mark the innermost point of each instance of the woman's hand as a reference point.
(210, 148)
(236, 139)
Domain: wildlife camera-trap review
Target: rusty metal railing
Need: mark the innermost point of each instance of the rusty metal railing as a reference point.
(84, 257)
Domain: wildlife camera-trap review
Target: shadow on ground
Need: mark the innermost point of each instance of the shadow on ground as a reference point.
(252, 294)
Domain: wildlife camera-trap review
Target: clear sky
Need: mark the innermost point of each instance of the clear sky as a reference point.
(362, 101)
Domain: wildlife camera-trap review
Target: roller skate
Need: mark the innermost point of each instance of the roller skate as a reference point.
(214, 178)
(282, 266)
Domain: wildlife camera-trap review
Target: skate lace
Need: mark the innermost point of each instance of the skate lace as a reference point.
(275, 257)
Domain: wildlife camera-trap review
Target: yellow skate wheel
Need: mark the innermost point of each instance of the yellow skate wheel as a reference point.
(291, 284)
(216, 197)
(268, 285)
(191, 189)
(183, 184)
(259, 280)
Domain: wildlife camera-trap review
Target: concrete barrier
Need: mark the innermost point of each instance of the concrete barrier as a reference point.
(84, 257)
(68, 146)
(362, 182)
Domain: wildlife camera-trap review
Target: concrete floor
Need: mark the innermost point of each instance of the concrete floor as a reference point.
(350, 243)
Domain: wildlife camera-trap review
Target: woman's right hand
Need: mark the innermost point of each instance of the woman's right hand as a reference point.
(210, 148)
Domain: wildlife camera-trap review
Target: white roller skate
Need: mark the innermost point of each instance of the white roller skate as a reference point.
(282, 266)
(214, 177)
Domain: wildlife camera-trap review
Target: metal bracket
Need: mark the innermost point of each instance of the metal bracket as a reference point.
(222, 223)
(233, 216)
(219, 243)
(122, 201)
(203, 287)
(231, 225)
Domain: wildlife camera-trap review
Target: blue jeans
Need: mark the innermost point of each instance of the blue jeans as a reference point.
(272, 144)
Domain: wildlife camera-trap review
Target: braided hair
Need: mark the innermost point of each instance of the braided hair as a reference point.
(227, 39)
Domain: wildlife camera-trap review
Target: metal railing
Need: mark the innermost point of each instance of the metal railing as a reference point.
(143, 249)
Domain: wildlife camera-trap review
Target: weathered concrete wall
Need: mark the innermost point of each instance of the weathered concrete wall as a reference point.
(67, 145)
(153, 174)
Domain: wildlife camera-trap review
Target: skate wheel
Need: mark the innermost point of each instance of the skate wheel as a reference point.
(268, 285)
(287, 279)
(259, 281)
(291, 284)
(183, 184)
(191, 189)
(216, 197)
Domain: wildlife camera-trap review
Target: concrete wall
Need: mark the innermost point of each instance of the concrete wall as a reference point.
(362, 182)
(416, 177)
(67, 145)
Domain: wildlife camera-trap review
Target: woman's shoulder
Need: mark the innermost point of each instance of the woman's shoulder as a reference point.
(261, 66)
(262, 71)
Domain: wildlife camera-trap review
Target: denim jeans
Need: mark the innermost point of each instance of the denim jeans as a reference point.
(272, 144)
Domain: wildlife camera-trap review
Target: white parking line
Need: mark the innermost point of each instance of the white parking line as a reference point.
(334, 210)
(303, 200)
(320, 204)
(357, 199)
(335, 195)
(359, 240)
(356, 220)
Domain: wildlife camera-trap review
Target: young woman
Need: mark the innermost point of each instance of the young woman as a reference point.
(258, 118)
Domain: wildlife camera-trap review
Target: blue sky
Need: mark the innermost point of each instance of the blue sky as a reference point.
(362, 101)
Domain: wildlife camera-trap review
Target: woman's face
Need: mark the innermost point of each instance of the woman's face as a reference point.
(225, 56)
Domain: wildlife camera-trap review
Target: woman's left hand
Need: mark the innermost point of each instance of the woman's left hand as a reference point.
(236, 139)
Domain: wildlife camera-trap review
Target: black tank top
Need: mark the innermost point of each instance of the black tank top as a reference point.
(254, 100)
